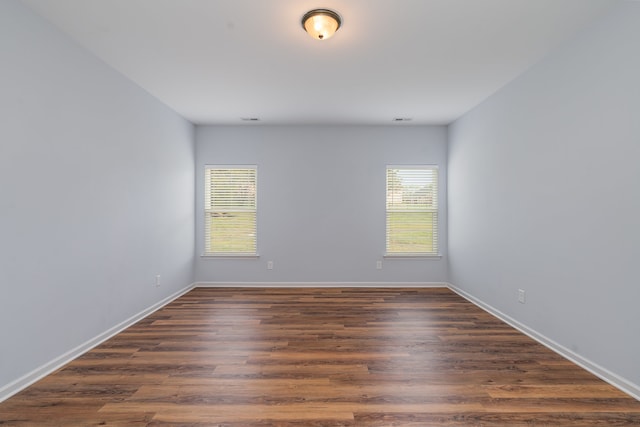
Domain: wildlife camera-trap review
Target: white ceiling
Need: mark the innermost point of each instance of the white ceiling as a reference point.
(217, 61)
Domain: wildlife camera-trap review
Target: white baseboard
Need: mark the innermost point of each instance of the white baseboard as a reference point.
(321, 284)
(26, 380)
(597, 370)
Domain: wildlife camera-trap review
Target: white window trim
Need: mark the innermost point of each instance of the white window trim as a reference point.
(412, 256)
(229, 255)
(408, 255)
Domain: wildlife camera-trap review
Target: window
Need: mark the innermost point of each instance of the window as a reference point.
(230, 210)
(412, 211)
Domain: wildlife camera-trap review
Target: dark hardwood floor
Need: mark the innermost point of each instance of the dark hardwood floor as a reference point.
(320, 357)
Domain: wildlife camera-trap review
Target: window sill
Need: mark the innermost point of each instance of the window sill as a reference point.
(229, 256)
(411, 256)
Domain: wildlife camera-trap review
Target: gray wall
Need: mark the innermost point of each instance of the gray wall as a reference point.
(321, 201)
(544, 195)
(96, 180)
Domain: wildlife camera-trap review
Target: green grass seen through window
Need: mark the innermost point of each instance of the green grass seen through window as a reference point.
(233, 232)
(410, 232)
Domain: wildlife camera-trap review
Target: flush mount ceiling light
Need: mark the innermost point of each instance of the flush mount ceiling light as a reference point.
(321, 24)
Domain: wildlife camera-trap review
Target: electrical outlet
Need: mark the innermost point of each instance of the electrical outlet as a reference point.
(269, 265)
(157, 280)
(378, 265)
(521, 296)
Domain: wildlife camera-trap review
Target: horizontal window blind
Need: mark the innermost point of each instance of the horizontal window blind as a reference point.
(230, 210)
(412, 211)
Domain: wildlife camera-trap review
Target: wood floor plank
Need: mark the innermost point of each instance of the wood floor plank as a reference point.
(320, 357)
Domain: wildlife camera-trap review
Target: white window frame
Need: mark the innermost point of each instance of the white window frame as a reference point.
(210, 209)
(434, 210)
